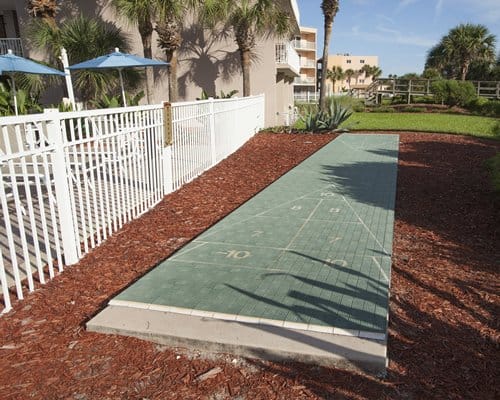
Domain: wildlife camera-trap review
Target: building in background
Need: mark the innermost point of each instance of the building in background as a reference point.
(205, 63)
(306, 44)
(358, 80)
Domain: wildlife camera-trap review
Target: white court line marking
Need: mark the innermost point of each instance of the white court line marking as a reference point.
(231, 265)
(380, 268)
(188, 250)
(365, 226)
(304, 224)
(261, 214)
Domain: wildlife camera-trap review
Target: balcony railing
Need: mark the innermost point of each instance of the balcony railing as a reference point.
(13, 44)
(287, 58)
(305, 81)
(304, 63)
(304, 44)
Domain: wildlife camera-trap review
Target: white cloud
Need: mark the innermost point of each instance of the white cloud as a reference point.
(487, 10)
(383, 34)
(439, 7)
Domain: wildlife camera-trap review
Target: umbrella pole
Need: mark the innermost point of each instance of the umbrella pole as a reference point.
(14, 92)
(123, 88)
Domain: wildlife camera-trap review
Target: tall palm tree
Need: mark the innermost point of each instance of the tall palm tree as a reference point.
(141, 14)
(249, 20)
(456, 51)
(371, 71)
(335, 74)
(46, 10)
(171, 14)
(349, 73)
(330, 9)
(83, 38)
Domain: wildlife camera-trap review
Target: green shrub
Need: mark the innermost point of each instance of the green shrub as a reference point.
(493, 164)
(413, 109)
(453, 93)
(485, 107)
(383, 109)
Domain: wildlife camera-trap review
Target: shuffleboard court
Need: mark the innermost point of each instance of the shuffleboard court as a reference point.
(311, 252)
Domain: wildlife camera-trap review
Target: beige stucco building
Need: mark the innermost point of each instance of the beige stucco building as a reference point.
(306, 44)
(204, 62)
(347, 61)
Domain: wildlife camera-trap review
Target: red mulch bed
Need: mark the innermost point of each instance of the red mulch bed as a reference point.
(444, 328)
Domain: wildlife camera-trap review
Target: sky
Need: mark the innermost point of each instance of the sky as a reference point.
(400, 32)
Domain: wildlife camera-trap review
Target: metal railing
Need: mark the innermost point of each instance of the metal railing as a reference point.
(286, 55)
(306, 97)
(302, 44)
(13, 44)
(305, 81)
(68, 181)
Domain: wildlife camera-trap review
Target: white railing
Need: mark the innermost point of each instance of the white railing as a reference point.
(286, 55)
(13, 44)
(70, 180)
(301, 44)
(306, 63)
(306, 97)
(305, 81)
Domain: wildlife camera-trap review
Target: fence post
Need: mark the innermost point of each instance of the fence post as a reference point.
(68, 227)
(168, 176)
(212, 130)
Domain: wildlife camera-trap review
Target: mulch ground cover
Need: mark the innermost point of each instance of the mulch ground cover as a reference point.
(443, 329)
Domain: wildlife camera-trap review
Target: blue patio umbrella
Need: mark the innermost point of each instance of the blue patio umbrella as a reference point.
(119, 61)
(10, 63)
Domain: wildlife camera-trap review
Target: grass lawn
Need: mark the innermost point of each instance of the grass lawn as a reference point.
(446, 123)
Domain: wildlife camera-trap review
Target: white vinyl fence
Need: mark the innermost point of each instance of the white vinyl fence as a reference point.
(70, 180)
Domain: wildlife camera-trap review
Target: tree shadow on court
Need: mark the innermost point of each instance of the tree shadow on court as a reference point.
(443, 321)
(443, 188)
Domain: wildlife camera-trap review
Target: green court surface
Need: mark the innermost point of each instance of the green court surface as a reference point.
(313, 249)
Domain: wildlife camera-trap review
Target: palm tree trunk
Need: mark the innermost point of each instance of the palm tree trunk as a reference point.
(173, 92)
(245, 66)
(465, 69)
(324, 63)
(146, 32)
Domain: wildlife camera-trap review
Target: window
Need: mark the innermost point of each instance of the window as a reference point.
(361, 81)
(361, 61)
(348, 61)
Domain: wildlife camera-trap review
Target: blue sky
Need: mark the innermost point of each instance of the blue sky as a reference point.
(400, 32)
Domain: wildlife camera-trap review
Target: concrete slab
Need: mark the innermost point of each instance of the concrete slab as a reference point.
(262, 339)
(310, 256)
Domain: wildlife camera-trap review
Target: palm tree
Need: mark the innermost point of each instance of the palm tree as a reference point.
(83, 38)
(371, 71)
(349, 73)
(171, 16)
(335, 74)
(330, 9)
(46, 10)
(249, 20)
(463, 45)
(141, 14)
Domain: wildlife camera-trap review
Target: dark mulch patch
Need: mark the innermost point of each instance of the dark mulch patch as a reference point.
(443, 328)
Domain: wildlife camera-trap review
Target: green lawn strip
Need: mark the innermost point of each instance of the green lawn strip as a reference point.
(444, 123)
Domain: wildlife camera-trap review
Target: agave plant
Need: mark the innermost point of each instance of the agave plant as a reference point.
(316, 120)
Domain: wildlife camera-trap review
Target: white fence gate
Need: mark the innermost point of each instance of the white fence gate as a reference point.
(70, 180)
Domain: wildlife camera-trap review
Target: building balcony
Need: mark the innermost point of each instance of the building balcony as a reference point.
(304, 45)
(287, 59)
(307, 63)
(13, 44)
(308, 81)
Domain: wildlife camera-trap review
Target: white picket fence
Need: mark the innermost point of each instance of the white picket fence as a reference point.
(70, 180)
